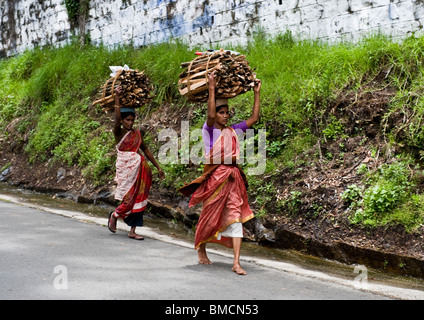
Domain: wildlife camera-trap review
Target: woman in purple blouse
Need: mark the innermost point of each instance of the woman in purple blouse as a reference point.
(221, 187)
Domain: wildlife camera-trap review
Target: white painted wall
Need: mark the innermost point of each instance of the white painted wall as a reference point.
(213, 23)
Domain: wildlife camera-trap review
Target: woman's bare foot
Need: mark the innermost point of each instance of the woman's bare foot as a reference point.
(239, 270)
(203, 257)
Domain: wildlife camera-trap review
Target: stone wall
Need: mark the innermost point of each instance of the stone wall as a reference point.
(211, 23)
(25, 24)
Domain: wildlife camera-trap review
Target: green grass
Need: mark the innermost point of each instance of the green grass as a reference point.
(47, 93)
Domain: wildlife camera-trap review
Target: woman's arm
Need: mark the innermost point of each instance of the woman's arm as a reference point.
(152, 159)
(256, 104)
(211, 101)
(117, 130)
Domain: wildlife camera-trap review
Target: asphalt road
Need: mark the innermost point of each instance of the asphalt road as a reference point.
(60, 255)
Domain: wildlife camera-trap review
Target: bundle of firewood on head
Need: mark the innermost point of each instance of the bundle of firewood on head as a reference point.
(233, 76)
(136, 88)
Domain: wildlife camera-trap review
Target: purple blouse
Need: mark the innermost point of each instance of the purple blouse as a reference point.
(211, 134)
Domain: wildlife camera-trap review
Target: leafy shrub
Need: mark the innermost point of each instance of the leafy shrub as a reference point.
(333, 130)
(352, 195)
(387, 188)
(275, 148)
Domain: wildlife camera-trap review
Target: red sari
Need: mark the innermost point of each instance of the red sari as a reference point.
(133, 176)
(222, 189)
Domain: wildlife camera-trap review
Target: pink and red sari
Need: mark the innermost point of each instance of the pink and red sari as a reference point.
(133, 176)
(222, 189)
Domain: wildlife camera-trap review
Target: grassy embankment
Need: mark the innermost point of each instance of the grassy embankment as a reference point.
(47, 94)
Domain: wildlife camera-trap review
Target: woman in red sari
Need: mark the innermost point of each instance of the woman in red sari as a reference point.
(222, 187)
(133, 174)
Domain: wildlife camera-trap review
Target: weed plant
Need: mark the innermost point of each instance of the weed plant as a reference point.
(387, 190)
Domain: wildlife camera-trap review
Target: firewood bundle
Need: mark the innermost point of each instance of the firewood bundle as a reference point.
(233, 76)
(136, 88)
